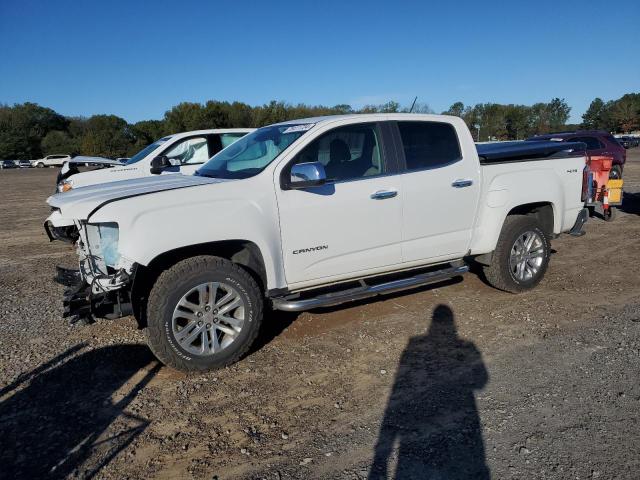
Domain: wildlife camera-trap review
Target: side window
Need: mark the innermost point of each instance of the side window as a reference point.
(429, 144)
(592, 142)
(228, 138)
(190, 150)
(347, 153)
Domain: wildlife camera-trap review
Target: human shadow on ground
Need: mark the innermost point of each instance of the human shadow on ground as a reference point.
(431, 427)
(54, 421)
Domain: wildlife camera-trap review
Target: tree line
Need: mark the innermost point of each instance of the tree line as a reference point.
(29, 131)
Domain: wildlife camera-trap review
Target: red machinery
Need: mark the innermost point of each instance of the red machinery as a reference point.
(599, 189)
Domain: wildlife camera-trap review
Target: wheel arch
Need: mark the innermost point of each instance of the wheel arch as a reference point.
(242, 252)
(544, 212)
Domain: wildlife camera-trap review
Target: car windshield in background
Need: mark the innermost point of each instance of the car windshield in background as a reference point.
(251, 154)
(146, 151)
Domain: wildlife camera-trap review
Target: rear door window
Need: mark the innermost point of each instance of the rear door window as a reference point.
(592, 142)
(228, 138)
(189, 151)
(429, 144)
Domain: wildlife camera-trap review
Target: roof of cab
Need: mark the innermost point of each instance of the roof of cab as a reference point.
(367, 117)
(209, 131)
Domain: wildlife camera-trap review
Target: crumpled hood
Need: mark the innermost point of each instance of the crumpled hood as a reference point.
(77, 204)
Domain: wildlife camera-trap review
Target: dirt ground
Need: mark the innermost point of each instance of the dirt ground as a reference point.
(455, 381)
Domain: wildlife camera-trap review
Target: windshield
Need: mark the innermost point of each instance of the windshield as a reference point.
(252, 153)
(146, 151)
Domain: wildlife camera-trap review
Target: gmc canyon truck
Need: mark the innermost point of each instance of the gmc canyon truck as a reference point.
(312, 213)
(178, 153)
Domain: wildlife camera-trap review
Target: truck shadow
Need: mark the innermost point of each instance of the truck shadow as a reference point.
(54, 420)
(631, 203)
(431, 427)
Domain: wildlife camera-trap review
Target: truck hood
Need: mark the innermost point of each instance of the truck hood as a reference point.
(79, 203)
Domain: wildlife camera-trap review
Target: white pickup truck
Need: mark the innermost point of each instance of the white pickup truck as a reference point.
(312, 213)
(178, 153)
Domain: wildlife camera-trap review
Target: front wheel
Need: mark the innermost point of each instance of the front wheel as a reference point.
(521, 256)
(203, 313)
(40, 165)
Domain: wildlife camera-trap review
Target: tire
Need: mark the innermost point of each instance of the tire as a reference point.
(615, 173)
(500, 273)
(610, 214)
(169, 338)
(40, 165)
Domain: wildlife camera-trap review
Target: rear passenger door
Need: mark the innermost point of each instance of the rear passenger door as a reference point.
(440, 191)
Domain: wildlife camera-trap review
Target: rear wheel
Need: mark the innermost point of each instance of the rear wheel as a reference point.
(615, 173)
(609, 214)
(521, 256)
(203, 313)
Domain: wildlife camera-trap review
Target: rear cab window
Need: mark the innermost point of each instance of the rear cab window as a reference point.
(429, 145)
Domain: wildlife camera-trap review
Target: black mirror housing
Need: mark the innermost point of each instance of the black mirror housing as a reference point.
(159, 163)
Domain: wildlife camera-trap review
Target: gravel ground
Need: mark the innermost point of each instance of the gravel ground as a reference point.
(454, 381)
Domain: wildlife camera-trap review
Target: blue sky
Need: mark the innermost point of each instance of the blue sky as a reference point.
(136, 59)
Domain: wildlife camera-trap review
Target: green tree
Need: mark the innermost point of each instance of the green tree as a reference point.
(516, 119)
(22, 128)
(457, 110)
(625, 112)
(107, 136)
(594, 117)
(184, 117)
(57, 141)
(240, 115)
(148, 131)
(558, 112)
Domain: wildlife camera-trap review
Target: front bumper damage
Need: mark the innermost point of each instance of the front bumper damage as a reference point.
(83, 303)
(95, 289)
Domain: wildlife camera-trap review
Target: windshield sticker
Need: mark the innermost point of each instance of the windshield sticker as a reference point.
(299, 128)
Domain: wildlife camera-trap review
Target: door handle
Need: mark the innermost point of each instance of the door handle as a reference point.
(383, 194)
(462, 183)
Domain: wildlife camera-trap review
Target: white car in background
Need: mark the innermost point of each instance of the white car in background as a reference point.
(179, 153)
(50, 161)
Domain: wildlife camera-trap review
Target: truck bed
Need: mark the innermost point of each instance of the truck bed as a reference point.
(524, 151)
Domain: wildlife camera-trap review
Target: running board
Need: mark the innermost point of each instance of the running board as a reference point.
(291, 303)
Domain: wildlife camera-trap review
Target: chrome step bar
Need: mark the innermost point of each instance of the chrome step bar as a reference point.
(291, 303)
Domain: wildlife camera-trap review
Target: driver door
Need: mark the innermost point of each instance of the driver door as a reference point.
(352, 224)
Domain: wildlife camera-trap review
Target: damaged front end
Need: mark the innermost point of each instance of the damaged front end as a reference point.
(100, 287)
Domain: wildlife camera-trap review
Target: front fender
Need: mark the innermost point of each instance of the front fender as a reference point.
(153, 224)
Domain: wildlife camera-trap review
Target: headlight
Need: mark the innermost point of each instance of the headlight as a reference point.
(65, 185)
(103, 241)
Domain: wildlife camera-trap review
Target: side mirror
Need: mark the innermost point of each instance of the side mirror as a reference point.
(159, 163)
(305, 175)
